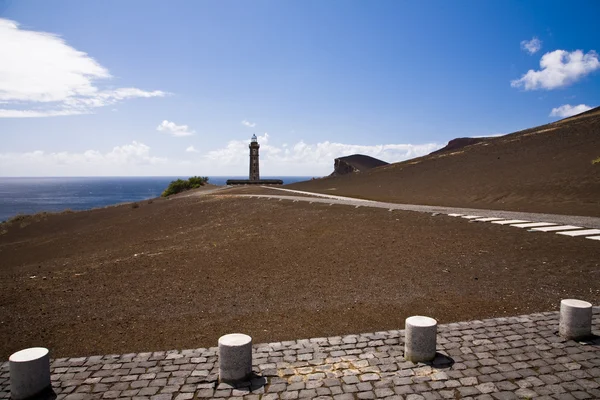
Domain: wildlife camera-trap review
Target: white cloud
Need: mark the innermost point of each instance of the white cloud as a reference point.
(128, 159)
(531, 46)
(567, 110)
(136, 159)
(174, 130)
(42, 76)
(558, 69)
(248, 124)
(4, 113)
(307, 158)
(191, 149)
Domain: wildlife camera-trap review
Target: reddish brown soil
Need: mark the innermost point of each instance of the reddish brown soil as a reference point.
(547, 169)
(179, 273)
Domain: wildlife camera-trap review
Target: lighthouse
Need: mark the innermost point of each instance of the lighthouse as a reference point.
(254, 175)
(254, 171)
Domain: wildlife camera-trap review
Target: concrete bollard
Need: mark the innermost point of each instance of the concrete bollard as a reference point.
(419, 345)
(235, 357)
(29, 372)
(575, 319)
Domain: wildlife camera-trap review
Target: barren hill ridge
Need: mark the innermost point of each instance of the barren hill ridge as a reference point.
(355, 163)
(458, 143)
(549, 168)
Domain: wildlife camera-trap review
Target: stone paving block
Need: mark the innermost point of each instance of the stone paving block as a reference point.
(366, 395)
(206, 393)
(468, 391)
(504, 396)
(447, 394)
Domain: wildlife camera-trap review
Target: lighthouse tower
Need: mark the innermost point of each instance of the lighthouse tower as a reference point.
(254, 146)
(254, 178)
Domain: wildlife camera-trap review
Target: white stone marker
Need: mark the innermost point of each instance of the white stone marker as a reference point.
(488, 219)
(556, 228)
(575, 319)
(235, 357)
(29, 372)
(419, 345)
(585, 232)
(533, 224)
(510, 221)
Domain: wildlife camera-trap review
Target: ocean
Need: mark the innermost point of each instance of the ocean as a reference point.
(32, 195)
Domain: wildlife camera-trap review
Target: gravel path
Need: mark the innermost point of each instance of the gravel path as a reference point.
(588, 222)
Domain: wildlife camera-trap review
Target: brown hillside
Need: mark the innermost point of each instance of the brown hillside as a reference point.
(180, 272)
(459, 143)
(548, 169)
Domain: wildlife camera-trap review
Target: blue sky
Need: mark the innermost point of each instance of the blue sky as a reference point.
(178, 88)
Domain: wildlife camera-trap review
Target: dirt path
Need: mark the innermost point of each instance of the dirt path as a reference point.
(589, 222)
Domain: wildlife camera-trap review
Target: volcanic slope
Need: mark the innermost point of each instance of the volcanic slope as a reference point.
(180, 272)
(547, 169)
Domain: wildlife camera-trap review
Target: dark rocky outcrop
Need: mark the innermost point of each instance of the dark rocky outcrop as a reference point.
(355, 163)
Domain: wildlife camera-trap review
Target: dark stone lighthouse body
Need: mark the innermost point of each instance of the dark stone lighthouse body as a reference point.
(254, 171)
(254, 176)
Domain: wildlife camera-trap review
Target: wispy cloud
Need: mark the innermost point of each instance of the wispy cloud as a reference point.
(94, 161)
(567, 110)
(174, 130)
(558, 69)
(135, 158)
(6, 113)
(531, 46)
(46, 77)
(248, 124)
(309, 158)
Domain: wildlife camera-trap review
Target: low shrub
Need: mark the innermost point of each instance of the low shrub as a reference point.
(181, 185)
(135, 205)
(596, 161)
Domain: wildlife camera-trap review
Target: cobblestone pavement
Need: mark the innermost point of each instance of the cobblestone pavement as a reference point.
(502, 358)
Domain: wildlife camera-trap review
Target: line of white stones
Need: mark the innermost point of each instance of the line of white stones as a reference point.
(30, 368)
(567, 230)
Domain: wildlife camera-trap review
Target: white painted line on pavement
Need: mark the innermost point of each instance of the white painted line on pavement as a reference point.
(556, 228)
(533, 224)
(509, 221)
(584, 232)
(488, 219)
(455, 215)
(593, 237)
(471, 216)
